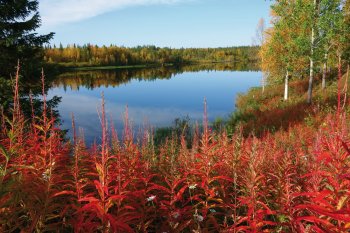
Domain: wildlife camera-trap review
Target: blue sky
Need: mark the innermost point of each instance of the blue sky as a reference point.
(164, 23)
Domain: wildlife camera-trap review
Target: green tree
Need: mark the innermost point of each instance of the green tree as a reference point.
(313, 11)
(18, 41)
(330, 26)
(303, 35)
(283, 53)
(346, 12)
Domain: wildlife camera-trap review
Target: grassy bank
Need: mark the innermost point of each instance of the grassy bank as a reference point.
(259, 111)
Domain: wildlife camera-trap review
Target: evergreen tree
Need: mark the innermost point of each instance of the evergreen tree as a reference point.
(18, 41)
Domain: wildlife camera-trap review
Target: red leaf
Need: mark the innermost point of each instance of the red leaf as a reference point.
(63, 193)
(176, 183)
(158, 187)
(89, 199)
(117, 225)
(323, 211)
(313, 219)
(179, 194)
(100, 188)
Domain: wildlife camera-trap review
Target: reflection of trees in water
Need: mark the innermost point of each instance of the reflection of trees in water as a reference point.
(98, 78)
(237, 66)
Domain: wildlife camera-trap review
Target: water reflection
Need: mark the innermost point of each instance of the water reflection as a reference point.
(154, 96)
(96, 79)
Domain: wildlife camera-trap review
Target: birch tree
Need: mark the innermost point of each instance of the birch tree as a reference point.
(283, 55)
(259, 40)
(329, 27)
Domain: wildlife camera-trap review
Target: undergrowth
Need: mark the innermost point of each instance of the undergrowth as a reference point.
(260, 111)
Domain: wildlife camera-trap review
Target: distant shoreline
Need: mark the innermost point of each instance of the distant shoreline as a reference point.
(64, 67)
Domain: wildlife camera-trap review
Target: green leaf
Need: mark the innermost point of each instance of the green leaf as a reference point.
(4, 152)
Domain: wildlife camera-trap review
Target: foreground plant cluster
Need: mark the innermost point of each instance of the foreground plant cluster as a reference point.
(295, 181)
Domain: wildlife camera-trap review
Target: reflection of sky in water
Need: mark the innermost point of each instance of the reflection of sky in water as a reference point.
(156, 102)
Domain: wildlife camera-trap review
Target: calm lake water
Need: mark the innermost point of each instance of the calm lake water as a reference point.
(154, 97)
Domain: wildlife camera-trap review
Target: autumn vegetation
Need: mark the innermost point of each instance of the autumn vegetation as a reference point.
(308, 38)
(289, 181)
(93, 56)
(281, 163)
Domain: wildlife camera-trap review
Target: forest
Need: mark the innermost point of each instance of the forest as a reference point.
(310, 38)
(93, 55)
(280, 163)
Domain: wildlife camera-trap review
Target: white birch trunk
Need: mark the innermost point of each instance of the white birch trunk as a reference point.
(309, 92)
(286, 86)
(324, 74)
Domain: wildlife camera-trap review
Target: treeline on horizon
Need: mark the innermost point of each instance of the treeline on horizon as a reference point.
(94, 55)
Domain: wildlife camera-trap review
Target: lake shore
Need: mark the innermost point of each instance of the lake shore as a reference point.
(65, 67)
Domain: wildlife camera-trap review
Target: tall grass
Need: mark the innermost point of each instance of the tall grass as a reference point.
(293, 181)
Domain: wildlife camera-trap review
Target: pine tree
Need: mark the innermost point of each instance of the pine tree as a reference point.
(18, 41)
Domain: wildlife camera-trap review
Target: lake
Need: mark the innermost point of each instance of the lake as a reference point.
(155, 97)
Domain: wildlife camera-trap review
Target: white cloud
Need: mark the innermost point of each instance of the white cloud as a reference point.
(55, 12)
